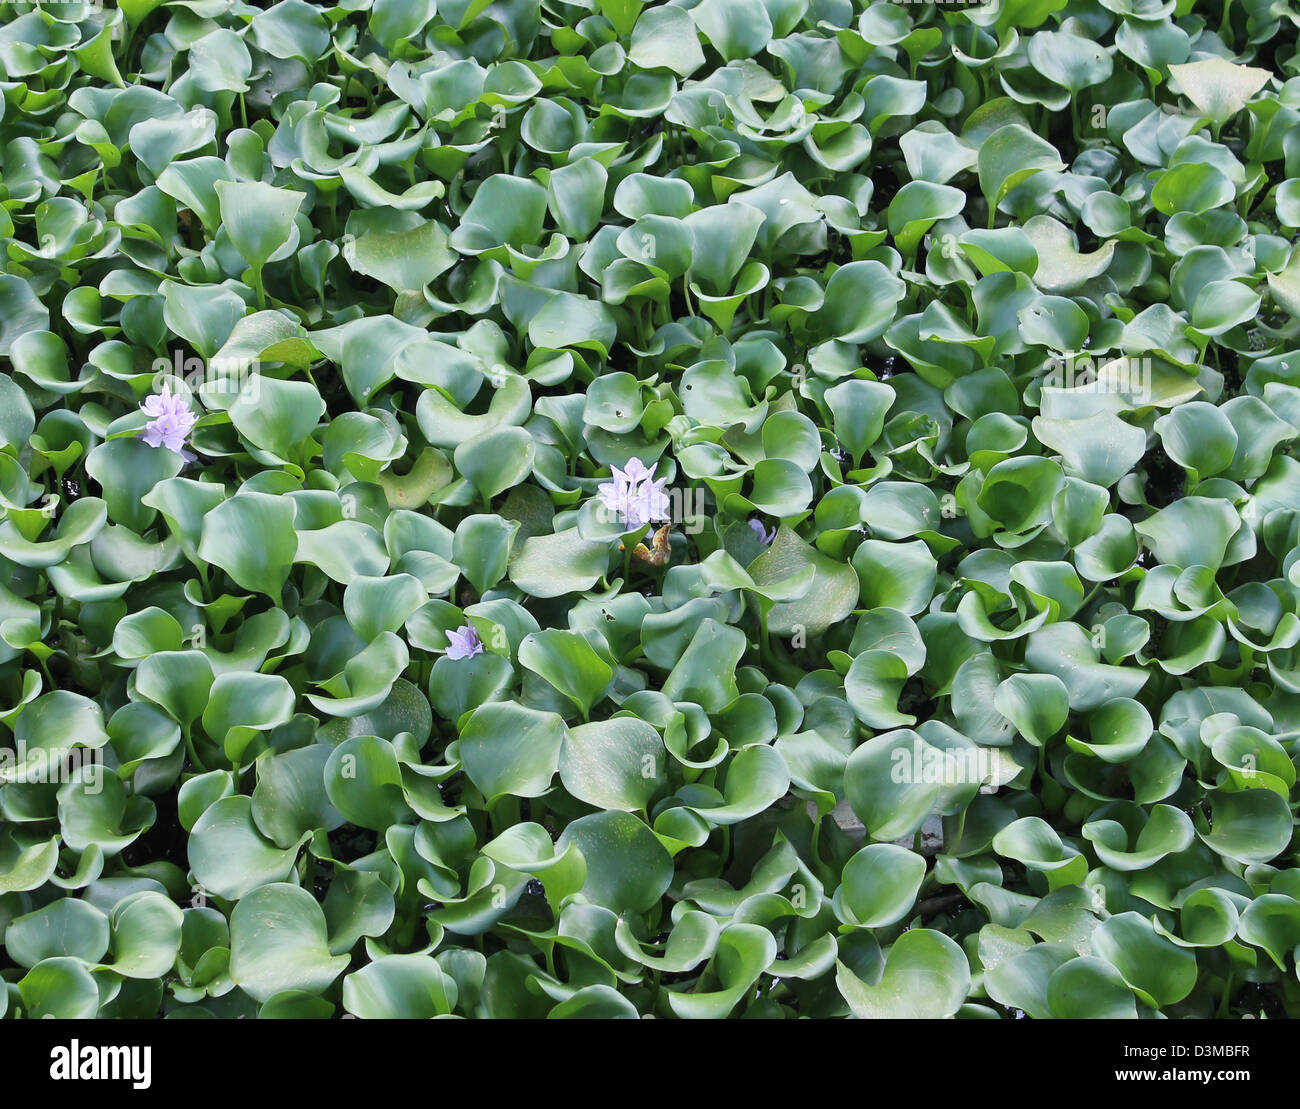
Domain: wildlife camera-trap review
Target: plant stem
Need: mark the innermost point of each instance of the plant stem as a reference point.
(199, 764)
(1226, 996)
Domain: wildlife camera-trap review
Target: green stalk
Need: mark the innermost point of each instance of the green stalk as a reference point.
(1226, 996)
(199, 764)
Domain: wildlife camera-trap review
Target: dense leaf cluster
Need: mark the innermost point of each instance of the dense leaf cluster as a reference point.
(751, 507)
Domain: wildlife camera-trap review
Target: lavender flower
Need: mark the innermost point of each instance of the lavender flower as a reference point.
(465, 643)
(635, 471)
(764, 536)
(170, 422)
(650, 502)
(634, 495)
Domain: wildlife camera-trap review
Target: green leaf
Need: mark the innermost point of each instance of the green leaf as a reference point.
(1090, 988)
(1218, 88)
(613, 764)
(553, 565)
(1253, 826)
(859, 409)
(831, 595)
(290, 798)
(363, 781)
(665, 38)
(496, 460)
(61, 988)
(258, 218)
(1008, 158)
(879, 886)
(509, 749)
(277, 943)
(1158, 971)
(146, 935)
(735, 28)
(399, 987)
(925, 977)
(627, 867)
(251, 537)
(230, 857)
(895, 780)
(861, 299)
(275, 415)
(569, 663)
(743, 953)
(63, 929)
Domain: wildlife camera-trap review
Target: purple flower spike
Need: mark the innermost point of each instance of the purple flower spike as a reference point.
(614, 496)
(635, 471)
(170, 422)
(634, 495)
(649, 503)
(764, 536)
(465, 643)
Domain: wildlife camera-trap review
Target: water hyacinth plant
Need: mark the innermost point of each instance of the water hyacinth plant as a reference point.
(708, 509)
